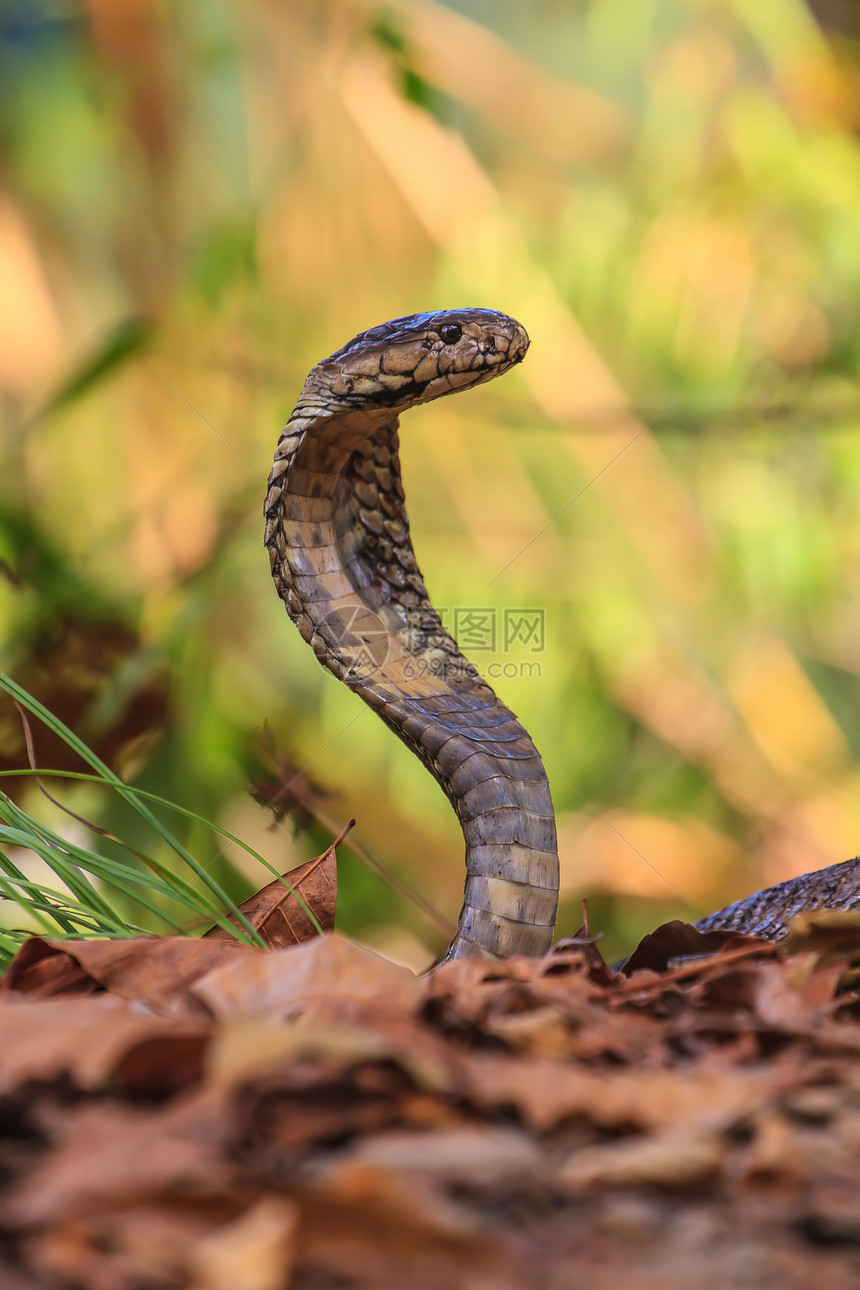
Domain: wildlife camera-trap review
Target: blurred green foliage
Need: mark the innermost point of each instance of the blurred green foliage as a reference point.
(201, 201)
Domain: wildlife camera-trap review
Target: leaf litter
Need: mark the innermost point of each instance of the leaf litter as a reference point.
(204, 1115)
(290, 909)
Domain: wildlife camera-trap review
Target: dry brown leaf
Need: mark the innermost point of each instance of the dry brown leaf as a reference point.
(826, 932)
(488, 1157)
(248, 1049)
(792, 997)
(672, 1160)
(360, 1226)
(12, 1280)
(42, 970)
(114, 1155)
(255, 1252)
(329, 975)
(483, 994)
(280, 910)
(678, 940)
(773, 1153)
(148, 1242)
(88, 1039)
(546, 1092)
(156, 971)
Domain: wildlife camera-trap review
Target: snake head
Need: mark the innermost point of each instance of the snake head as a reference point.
(421, 357)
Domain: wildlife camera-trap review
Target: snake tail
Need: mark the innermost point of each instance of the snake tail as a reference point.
(338, 538)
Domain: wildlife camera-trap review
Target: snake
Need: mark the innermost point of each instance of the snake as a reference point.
(341, 555)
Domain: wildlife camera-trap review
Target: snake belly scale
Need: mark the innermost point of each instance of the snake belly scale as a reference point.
(337, 533)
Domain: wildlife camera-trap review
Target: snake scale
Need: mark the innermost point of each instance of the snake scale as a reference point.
(337, 533)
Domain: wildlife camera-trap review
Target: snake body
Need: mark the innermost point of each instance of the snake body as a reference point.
(337, 533)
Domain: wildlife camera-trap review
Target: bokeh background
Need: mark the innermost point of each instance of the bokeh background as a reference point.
(200, 201)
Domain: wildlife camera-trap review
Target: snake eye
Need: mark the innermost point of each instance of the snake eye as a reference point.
(450, 333)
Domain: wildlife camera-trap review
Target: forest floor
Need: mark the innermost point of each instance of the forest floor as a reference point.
(197, 1113)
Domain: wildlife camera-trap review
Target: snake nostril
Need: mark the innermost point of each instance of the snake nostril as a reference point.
(488, 346)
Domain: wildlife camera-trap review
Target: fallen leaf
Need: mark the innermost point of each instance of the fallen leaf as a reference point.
(546, 1092)
(487, 1158)
(281, 911)
(329, 975)
(42, 970)
(672, 1160)
(254, 1252)
(793, 999)
(248, 1049)
(156, 971)
(361, 1227)
(113, 1155)
(679, 940)
(146, 1242)
(12, 1280)
(87, 1040)
(773, 1153)
(826, 932)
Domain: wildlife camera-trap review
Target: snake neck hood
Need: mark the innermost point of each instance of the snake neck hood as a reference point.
(337, 533)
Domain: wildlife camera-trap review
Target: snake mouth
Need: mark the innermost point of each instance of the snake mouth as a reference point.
(519, 341)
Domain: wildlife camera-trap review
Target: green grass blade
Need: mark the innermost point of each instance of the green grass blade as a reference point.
(130, 881)
(181, 810)
(37, 898)
(20, 880)
(86, 754)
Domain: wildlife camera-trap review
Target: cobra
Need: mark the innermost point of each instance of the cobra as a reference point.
(338, 538)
